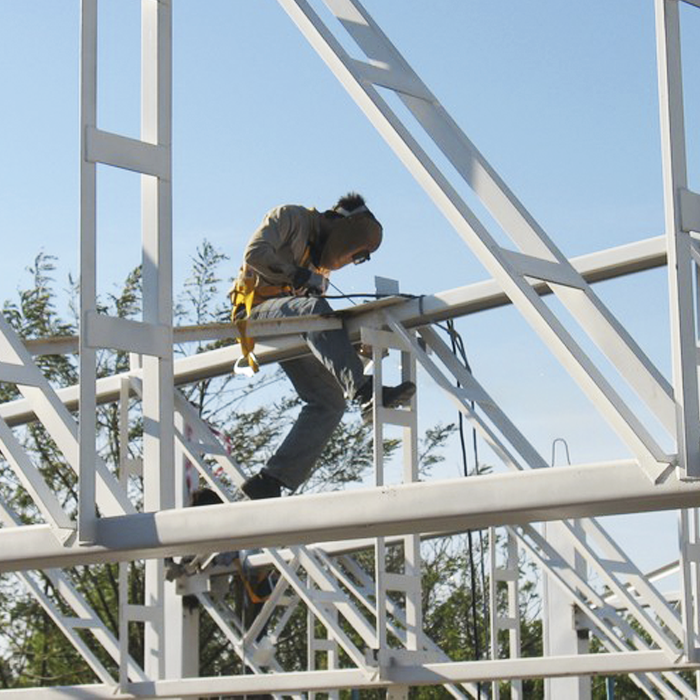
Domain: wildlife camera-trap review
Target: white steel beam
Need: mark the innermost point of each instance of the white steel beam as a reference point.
(131, 336)
(680, 267)
(123, 152)
(87, 450)
(428, 674)
(618, 346)
(411, 312)
(157, 261)
(33, 481)
(602, 265)
(59, 423)
(450, 505)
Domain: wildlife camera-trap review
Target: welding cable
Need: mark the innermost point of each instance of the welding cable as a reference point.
(459, 351)
(475, 449)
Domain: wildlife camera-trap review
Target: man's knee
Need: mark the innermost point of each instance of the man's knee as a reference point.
(334, 405)
(330, 402)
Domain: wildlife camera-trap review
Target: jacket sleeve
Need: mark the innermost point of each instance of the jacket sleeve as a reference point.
(270, 252)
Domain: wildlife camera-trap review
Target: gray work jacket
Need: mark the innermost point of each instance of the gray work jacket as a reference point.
(279, 246)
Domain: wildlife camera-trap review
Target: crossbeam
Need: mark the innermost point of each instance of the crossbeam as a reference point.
(428, 674)
(431, 308)
(599, 266)
(453, 505)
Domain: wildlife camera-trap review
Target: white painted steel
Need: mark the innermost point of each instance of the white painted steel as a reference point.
(16, 374)
(450, 505)
(508, 573)
(428, 674)
(150, 156)
(594, 267)
(157, 401)
(87, 450)
(526, 453)
(247, 650)
(81, 615)
(124, 334)
(615, 632)
(321, 645)
(383, 510)
(408, 579)
(689, 536)
(131, 154)
(636, 369)
(60, 424)
(630, 585)
(32, 480)
(431, 308)
(561, 623)
(384, 336)
(321, 592)
(680, 267)
(689, 203)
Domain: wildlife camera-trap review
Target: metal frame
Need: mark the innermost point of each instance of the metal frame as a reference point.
(537, 258)
(328, 581)
(149, 156)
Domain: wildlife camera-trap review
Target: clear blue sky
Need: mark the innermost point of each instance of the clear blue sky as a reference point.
(560, 97)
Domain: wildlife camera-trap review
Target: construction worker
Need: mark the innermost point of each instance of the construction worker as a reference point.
(285, 272)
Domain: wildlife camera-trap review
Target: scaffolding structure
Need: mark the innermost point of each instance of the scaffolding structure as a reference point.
(367, 626)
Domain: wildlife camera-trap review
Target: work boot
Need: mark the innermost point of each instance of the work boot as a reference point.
(392, 397)
(262, 485)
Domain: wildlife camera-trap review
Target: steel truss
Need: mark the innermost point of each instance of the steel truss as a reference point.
(378, 634)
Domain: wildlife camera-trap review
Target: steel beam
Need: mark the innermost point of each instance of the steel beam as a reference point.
(602, 265)
(429, 674)
(431, 308)
(681, 268)
(455, 504)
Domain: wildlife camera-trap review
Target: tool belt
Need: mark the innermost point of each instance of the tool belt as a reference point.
(245, 295)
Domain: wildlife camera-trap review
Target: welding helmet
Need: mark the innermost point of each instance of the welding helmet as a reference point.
(352, 236)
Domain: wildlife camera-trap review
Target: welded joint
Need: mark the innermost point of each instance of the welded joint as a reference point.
(66, 535)
(689, 203)
(193, 584)
(126, 153)
(385, 661)
(660, 472)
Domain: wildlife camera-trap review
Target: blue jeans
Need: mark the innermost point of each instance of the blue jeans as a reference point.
(322, 380)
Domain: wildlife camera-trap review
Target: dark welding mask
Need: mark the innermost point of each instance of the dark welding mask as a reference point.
(351, 238)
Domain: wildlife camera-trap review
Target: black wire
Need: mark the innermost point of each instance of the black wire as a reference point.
(458, 347)
(368, 296)
(340, 291)
(459, 342)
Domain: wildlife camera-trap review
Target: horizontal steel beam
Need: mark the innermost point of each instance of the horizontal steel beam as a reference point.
(606, 264)
(595, 267)
(428, 674)
(454, 505)
(263, 328)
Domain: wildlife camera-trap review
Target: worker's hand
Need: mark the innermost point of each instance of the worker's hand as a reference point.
(307, 281)
(317, 284)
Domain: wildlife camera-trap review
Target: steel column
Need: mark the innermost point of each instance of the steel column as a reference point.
(679, 242)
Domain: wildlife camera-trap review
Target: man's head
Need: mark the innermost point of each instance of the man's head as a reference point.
(350, 233)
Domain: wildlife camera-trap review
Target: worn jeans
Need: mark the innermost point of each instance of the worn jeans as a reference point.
(322, 380)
